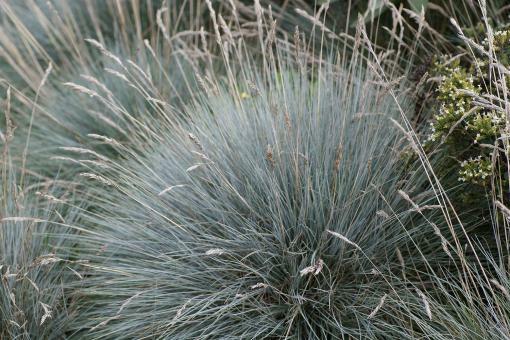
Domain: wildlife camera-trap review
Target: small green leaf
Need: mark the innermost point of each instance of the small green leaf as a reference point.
(416, 5)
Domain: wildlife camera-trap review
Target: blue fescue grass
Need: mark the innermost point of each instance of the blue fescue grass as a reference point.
(270, 207)
(277, 194)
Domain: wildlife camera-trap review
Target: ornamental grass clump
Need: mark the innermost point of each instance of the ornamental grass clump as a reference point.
(275, 205)
(244, 183)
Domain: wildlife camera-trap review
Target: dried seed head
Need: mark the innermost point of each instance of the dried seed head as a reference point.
(409, 200)
(105, 139)
(375, 272)
(203, 40)
(83, 151)
(338, 157)
(170, 188)
(215, 252)
(117, 74)
(82, 89)
(44, 260)
(99, 84)
(378, 307)
(49, 197)
(226, 29)
(259, 285)
(314, 269)
(316, 21)
(9, 126)
(215, 22)
(105, 322)
(501, 288)
(382, 213)
(345, 239)
(202, 85)
(400, 258)
(426, 305)
(269, 155)
(297, 41)
(194, 167)
(97, 177)
(271, 36)
(47, 313)
(180, 311)
(195, 140)
(46, 75)
(160, 23)
(103, 50)
(287, 120)
(32, 283)
(212, 85)
(444, 242)
(401, 261)
(128, 301)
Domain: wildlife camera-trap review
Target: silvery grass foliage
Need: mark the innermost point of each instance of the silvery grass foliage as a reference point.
(36, 266)
(54, 49)
(62, 44)
(79, 38)
(278, 207)
(64, 118)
